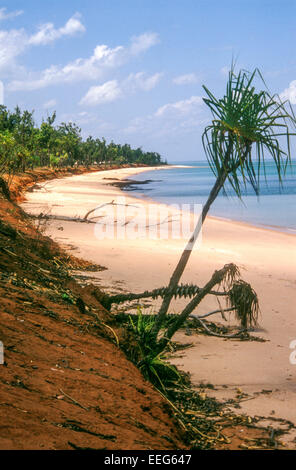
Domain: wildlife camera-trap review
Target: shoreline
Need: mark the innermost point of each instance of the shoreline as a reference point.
(134, 171)
(266, 258)
(277, 228)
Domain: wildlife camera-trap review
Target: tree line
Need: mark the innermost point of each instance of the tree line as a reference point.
(24, 145)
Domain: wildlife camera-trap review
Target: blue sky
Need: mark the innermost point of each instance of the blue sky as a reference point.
(132, 70)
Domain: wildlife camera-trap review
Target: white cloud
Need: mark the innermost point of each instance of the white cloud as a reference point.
(50, 104)
(176, 118)
(143, 42)
(48, 33)
(289, 93)
(14, 42)
(100, 94)
(4, 15)
(180, 107)
(185, 79)
(92, 68)
(81, 69)
(112, 90)
(141, 81)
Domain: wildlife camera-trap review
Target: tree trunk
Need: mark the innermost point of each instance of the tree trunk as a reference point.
(215, 279)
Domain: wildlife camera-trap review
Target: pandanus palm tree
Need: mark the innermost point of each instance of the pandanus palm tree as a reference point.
(247, 127)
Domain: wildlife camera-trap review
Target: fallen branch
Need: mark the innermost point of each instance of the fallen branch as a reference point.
(61, 217)
(231, 309)
(97, 208)
(112, 203)
(84, 219)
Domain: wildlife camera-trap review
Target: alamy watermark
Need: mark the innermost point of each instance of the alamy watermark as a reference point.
(120, 220)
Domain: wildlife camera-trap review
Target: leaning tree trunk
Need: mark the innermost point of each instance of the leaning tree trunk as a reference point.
(215, 279)
(175, 278)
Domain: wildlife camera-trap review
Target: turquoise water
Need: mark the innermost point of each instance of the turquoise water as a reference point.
(274, 208)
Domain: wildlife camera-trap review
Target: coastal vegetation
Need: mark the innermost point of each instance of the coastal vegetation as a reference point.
(25, 145)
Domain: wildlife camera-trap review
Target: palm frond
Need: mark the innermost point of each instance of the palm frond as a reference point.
(245, 301)
(241, 119)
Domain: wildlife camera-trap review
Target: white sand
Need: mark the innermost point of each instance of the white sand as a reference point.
(267, 260)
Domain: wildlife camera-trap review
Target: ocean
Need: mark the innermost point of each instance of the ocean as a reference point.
(275, 208)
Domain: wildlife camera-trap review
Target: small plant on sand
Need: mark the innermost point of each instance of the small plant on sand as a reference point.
(153, 365)
(143, 325)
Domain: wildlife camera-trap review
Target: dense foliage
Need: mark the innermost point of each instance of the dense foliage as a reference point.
(25, 145)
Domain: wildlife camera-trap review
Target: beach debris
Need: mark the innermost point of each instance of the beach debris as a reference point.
(84, 219)
(211, 424)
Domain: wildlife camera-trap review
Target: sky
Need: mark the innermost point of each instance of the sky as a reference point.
(132, 70)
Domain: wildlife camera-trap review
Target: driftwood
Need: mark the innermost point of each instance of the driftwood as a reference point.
(212, 333)
(112, 203)
(97, 208)
(205, 315)
(61, 217)
(84, 219)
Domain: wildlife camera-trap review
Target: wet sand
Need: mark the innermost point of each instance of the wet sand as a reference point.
(267, 259)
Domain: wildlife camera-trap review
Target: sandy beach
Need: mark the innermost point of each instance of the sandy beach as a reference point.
(266, 258)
